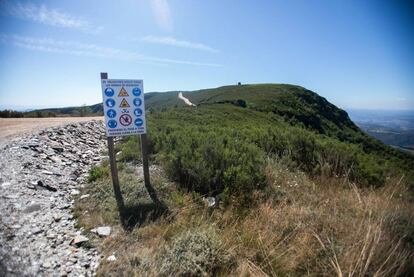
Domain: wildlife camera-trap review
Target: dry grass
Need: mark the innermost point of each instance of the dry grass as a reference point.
(297, 227)
(324, 229)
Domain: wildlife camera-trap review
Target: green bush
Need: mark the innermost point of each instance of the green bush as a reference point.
(98, 172)
(213, 161)
(220, 148)
(131, 149)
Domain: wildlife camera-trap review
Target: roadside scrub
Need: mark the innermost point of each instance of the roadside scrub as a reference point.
(290, 202)
(295, 226)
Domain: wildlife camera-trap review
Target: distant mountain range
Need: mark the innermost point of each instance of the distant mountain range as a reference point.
(395, 128)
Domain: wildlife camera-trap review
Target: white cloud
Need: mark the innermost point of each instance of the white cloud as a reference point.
(52, 17)
(90, 50)
(179, 43)
(162, 14)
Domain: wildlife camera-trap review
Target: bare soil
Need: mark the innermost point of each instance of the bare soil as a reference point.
(13, 127)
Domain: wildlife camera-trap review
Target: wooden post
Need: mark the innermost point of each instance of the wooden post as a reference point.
(114, 169)
(145, 166)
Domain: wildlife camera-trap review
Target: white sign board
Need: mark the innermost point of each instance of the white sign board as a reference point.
(124, 109)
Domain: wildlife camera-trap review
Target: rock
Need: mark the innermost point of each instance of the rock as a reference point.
(55, 159)
(111, 258)
(65, 206)
(84, 196)
(32, 208)
(47, 172)
(36, 230)
(12, 196)
(78, 240)
(210, 201)
(5, 184)
(57, 217)
(74, 192)
(31, 185)
(46, 264)
(39, 233)
(58, 149)
(102, 231)
(46, 186)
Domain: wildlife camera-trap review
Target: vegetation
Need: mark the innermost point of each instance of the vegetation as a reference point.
(300, 191)
(93, 110)
(10, 114)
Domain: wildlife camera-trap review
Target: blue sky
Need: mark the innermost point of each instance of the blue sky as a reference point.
(357, 54)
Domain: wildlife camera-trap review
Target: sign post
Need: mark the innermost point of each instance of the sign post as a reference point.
(124, 112)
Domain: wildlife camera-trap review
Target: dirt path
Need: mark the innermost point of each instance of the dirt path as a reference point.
(185, 99)
(13, 127)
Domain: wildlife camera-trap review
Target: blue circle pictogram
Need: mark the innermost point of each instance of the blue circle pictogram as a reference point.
(111, 113)
(112, 123)
(110, 103)
(136, 91)
(137, 102)
(138, 122)
(109, 92)
(138, 112)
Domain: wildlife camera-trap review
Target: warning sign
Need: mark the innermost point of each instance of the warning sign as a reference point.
(123, 93)
(124, 104)
(124, 107)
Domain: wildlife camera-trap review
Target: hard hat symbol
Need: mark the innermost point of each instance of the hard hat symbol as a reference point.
(109, 92)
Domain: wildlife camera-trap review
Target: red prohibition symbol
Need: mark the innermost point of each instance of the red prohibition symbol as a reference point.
(125, 120)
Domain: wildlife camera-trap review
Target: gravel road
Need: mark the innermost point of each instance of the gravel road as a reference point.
(41, 173)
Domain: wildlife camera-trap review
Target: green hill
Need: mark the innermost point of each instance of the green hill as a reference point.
(287, 104)
(294, 105)
(297, 188)
(92, 110)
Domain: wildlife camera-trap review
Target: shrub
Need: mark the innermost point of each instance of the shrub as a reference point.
(213, 162)
(193, 253)
(131, 149)
(98, 172)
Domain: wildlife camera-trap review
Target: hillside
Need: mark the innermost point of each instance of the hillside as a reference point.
(92, 110)
(291, 104)
(296, 105)
(257, 180)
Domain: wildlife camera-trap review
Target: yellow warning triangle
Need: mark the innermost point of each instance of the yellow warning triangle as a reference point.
(123, 93)
(124, 104)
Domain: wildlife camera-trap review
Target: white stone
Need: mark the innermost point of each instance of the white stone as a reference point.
(78, 240)
(5, 184)
(111, 258)
(103, 231)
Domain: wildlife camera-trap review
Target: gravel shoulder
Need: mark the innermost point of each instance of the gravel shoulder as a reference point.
(40, 176)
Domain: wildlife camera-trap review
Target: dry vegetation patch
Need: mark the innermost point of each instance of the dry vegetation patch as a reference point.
(295, 226)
